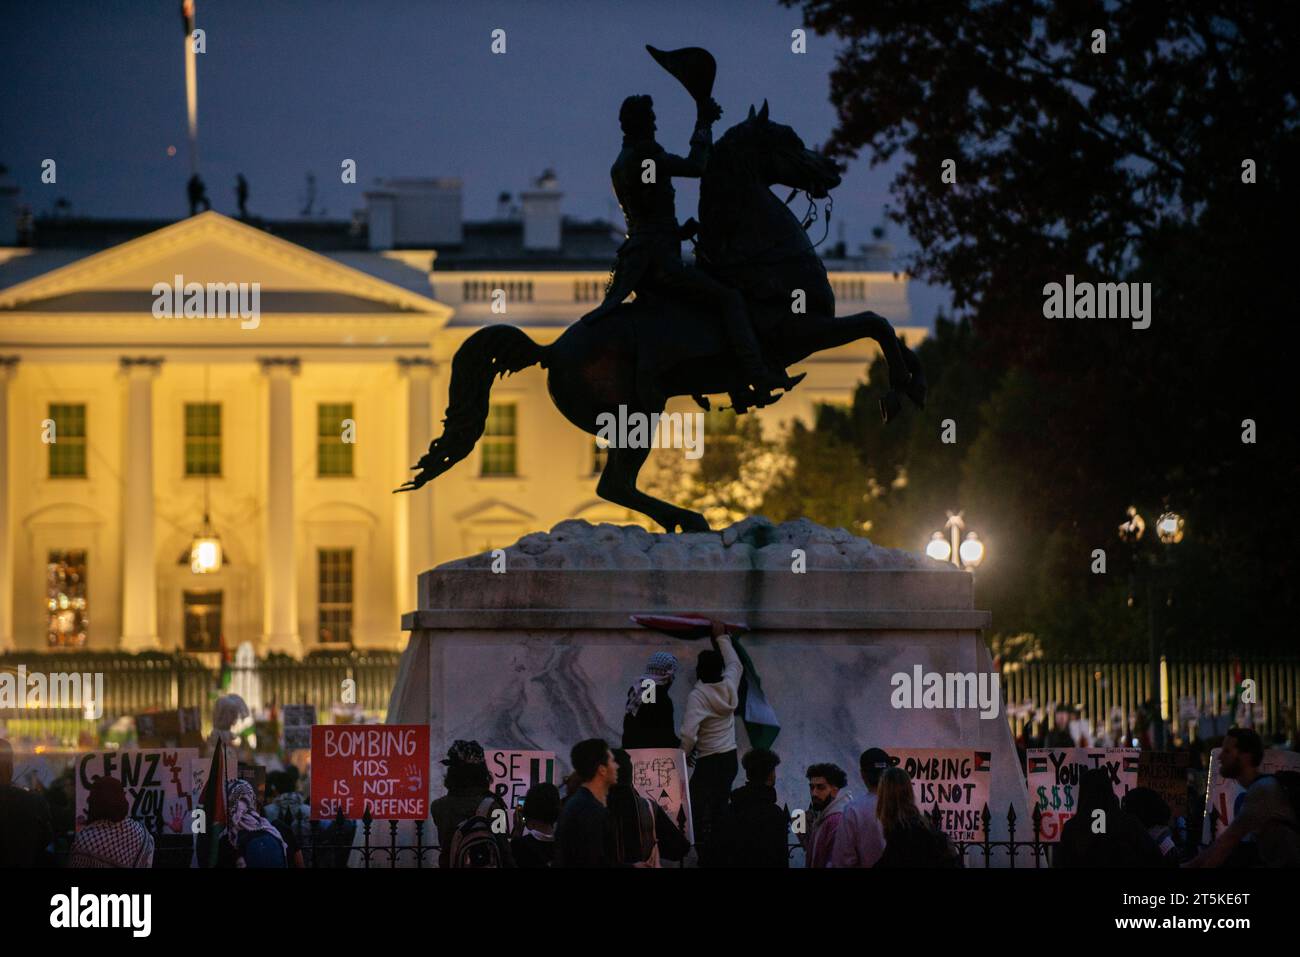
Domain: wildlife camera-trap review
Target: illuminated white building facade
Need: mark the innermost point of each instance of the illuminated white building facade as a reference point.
(118, 430)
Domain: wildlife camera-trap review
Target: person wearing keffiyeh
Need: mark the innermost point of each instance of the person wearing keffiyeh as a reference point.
(110, 838)
(255, 840)
(648, 720)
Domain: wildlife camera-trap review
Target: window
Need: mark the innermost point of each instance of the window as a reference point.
(65, 599)
(588, 290)
(334, 613)
(498, 443)
(333, 454)
(202, 617)
(202, 438)
(68, 450)
(480, 290)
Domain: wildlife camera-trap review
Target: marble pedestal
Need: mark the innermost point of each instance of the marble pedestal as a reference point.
(541, 656)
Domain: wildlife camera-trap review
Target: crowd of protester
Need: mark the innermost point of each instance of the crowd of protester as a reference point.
(600, 819)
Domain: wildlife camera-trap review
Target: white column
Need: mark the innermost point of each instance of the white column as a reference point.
(8, 366)
(139, 567)
(418, 505)
(279, 566)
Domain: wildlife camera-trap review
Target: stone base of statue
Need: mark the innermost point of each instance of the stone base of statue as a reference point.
(540, 653)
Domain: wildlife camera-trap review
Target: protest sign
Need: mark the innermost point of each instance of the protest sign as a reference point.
(515, 772)
(169, 729)
(1225, 795)
(158, 784)
(297, 720)
(1165, 772)
(381, 766)
(660, 774)
(1054, 774)
(955, 779)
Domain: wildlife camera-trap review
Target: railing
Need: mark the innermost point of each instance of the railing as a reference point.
(1097, 687)
(147, 682)
(134, 684)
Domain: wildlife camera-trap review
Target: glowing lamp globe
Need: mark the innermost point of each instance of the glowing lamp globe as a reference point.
(205, 555)
(971, 551)
(938, 547)
(1170, 528)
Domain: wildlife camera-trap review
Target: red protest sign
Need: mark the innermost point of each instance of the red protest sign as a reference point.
(384, 766)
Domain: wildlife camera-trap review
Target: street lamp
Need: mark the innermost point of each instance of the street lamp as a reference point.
(964, 554)
(1169, 529)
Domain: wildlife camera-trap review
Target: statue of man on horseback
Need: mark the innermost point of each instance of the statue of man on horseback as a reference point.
(753, 260)
(650, 261)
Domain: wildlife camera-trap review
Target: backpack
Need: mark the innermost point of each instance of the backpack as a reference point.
(473, 843)
(261, 849)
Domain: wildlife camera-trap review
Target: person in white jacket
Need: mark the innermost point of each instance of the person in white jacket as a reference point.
(709, 730)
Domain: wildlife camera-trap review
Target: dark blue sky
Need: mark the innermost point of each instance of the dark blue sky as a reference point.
(404, 87)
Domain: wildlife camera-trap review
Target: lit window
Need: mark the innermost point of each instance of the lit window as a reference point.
(499, 440)
(65, 599)
(68, 450)
(599, 455)
(202, 438)
(334, 612)
(333, 455)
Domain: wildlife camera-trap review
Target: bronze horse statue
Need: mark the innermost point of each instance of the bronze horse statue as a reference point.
(651, 349)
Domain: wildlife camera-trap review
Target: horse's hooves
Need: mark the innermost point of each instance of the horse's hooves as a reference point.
(890, 406)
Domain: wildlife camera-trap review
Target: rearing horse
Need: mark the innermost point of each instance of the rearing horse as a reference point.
(651, 349)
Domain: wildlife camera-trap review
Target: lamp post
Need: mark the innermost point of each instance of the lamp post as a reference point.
(964, 554)
(1169, 529)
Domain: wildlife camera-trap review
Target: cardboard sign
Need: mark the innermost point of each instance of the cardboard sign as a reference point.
(956, 780)
(1054, 774)
(515, 772)
(381, 766)
(1165, 772)
(1225, 795)
(158, 783)
(169, 729)
(660, 774)
(297, 721)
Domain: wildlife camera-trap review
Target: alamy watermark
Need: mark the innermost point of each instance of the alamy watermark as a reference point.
(82, 691)
(215, 300)
(658, 430)
(1104, 300)
(947, 690)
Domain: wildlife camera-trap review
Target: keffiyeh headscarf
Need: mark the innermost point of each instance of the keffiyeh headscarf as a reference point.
(661, 668)
(242, 815)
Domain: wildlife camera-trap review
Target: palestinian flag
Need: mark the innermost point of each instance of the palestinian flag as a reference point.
(983, 759)
(213, 802)
(1038, 764)
(1131, 764)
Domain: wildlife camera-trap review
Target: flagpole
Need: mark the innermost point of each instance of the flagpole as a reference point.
(191, 84)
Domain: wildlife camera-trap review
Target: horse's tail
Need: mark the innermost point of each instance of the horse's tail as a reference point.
(488, 353)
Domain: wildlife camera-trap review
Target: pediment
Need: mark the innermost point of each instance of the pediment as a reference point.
(211, 248)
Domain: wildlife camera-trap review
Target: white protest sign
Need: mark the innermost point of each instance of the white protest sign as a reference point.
(660, 774)
(515, 772)
(1225, 795)
(956, 780)
(157, 781)
(1053, 779)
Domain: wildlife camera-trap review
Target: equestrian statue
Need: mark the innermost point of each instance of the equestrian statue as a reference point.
(725, 325)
